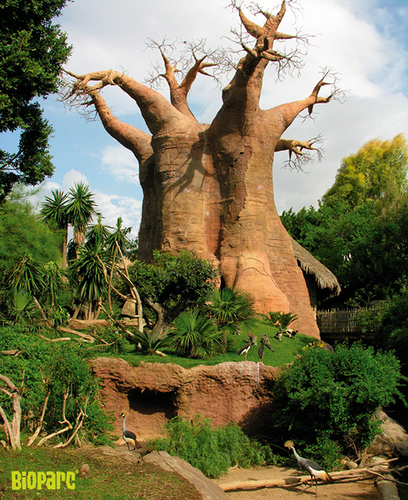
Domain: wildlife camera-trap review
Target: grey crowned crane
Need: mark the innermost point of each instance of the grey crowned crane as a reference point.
(245, 349)
(129, 436)
(264, 343)
(315, 470)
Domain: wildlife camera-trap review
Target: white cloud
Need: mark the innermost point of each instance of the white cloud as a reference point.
(121, 163)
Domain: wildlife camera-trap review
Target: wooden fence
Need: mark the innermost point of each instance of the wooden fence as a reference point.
(342, 324)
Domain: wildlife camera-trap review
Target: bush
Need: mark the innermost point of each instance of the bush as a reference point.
(213, 450)
(56, 369)
(231, 306)
(196, 336)
(332, 397)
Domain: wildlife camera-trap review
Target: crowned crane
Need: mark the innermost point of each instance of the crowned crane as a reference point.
(264, 343)
(245, 349)
(129, 436)
(313, 468)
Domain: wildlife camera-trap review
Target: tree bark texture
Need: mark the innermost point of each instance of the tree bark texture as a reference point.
(209, 187)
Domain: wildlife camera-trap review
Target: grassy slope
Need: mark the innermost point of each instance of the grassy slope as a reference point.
(284, 351)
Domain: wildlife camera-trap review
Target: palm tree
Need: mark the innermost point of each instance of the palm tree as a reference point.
(54, 212)
(80, 210)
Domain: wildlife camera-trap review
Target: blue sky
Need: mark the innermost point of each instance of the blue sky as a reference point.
(364, 41)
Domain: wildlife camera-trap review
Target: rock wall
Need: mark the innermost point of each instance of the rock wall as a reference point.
(152, 393)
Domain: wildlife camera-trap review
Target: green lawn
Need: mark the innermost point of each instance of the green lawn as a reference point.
(112, 478)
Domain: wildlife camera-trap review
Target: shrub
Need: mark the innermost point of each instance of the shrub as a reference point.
(56, 369)
(213, 450)
(231, 306)
(196, 336)
(325, 396)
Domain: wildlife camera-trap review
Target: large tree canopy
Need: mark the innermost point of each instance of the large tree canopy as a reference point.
(32, 52)
(209, 187)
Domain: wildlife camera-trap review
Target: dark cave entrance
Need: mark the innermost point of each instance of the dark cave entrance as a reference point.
(149, 402)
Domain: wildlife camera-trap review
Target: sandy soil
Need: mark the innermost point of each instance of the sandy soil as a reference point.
(339, 490)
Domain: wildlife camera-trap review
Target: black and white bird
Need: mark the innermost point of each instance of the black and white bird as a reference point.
(264, 343)
(315, 470)
(129, 436)
(245, 349)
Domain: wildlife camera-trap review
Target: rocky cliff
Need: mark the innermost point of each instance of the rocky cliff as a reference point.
(152, 393)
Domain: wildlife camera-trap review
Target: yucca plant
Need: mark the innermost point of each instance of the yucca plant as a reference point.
(196, 336)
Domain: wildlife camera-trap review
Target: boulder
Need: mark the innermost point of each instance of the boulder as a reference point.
(393, 439)
(208, 490)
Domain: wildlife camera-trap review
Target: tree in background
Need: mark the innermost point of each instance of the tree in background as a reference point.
(32, 52)
(360, 230)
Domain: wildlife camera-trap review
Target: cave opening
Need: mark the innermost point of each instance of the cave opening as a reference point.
(149, 402)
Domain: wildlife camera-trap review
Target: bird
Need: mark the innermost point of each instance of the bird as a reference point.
(313, 468)
(129, 436)
(279, 333)
(264, 343)
(245, 349)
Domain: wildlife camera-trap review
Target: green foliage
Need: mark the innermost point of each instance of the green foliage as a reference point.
(213, 450)
(231, 306)
(32, 52)
(196, 336)
(334, 396)
(150, 343)
(22, 233)
(285, 319)
(392, 327)
(56, 369)
(88, 272)
(378, 169)
(172, 284)
(360, 230)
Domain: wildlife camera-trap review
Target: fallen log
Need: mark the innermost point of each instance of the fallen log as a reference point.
(344, 475)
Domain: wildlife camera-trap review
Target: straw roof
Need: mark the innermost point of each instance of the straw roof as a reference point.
(323, 276)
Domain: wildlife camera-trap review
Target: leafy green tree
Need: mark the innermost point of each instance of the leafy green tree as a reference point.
(196, 336)
(32, 52)
(22, 233)
(172, 284)
(377, 170)
(360, 230)
(328, 399)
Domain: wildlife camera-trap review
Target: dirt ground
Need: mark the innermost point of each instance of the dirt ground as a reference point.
(339, 490)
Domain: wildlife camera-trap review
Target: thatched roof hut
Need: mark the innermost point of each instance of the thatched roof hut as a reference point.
(317, 276)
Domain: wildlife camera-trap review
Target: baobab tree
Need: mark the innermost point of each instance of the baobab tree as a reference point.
(209, 187)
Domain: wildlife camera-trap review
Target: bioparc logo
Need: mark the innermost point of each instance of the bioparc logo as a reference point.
(42, 480)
